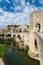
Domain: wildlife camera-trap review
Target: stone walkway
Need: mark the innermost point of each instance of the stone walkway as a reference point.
(1, 61)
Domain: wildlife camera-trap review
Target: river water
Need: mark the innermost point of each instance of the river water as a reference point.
(14, 58)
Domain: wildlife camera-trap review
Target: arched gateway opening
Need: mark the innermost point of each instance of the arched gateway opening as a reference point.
(37, 27)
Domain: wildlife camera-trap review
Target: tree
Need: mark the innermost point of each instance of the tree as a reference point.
(8, 42)
(11, 42)
(26, 49)
(13, 25)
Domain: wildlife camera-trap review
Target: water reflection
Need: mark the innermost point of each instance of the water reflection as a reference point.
(14, 58)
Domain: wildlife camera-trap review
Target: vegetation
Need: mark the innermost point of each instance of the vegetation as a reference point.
(10, 42)
(2, 40)
(26, 49)
(13, 25)
(1, 35)
(3, 49)
(27, 25)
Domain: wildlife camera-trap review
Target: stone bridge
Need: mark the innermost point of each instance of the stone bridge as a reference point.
(34, 52)
(39, 38)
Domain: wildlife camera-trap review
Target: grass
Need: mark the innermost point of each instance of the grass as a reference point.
(2, 50)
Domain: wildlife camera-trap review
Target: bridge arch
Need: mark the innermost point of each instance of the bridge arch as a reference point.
(36, 46)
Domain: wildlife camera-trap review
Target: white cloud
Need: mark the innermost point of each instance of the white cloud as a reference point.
(0, 0)
(28, 3)
(17, 18)
(16, 0)
(18, 8)
(41, 8)
(23, 2)
(7, 1)
(33, 1)
(41, 1)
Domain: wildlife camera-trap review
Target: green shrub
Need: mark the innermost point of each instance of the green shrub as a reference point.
(2, 50)
(26, 49)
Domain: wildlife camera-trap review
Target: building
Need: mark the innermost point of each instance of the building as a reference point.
(2, 33)
(21, 34)
(36, 25)
(36, 18)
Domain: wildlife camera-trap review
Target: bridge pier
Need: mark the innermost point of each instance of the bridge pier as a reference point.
(33, 51)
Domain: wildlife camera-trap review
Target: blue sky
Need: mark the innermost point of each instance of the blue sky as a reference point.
(18, 11)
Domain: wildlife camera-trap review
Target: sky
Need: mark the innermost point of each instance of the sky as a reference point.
(18, 11)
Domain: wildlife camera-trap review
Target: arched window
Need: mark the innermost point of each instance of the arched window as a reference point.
(20, 30)
(14, 35)
(19, 36)
(9, 35)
